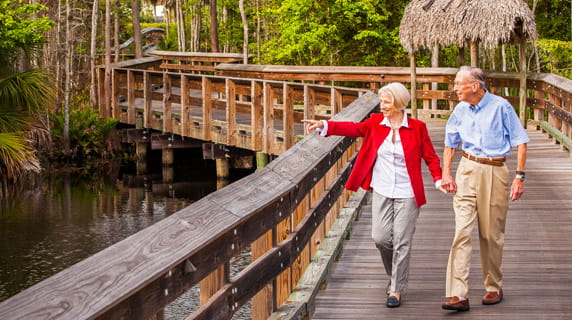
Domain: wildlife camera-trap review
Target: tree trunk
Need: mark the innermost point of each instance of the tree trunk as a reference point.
(245, 31)
(137, 28)
(226, 46)
(107, 81)
(503, 63)
(116, 31)
(214, 26)
(67, 64)
(179, 17)
(258, 25)
(196, 27)
(93, 54)
(58, 60)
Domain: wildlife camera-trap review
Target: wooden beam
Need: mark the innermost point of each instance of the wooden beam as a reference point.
(413, 80)
(522, 90)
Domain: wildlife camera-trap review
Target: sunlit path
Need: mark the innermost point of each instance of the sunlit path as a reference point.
(537, 260)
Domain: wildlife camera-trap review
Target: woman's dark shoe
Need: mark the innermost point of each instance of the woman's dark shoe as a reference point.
(393, 302)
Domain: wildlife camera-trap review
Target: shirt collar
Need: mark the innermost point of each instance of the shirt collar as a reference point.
(404, 123)
(482, 103)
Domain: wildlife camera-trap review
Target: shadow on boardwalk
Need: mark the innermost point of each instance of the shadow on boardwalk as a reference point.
(537, 258)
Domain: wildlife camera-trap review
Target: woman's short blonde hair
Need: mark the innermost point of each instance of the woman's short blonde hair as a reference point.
(398, 92)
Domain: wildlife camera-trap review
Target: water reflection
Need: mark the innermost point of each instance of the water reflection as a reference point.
(67, 216)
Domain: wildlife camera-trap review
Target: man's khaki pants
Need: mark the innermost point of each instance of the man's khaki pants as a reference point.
(482, 193)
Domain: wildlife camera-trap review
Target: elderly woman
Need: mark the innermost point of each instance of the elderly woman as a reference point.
(389, 162)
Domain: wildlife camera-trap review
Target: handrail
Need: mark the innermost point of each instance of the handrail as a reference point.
(549, 96)
(205, 107)
(296, 198)
(275, 104)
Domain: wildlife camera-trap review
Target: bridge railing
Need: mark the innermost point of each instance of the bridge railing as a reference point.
(281, 212)
(277, 97)
(259, 115)
(548, 103)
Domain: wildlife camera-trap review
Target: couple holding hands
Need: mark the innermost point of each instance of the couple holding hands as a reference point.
(389, 162)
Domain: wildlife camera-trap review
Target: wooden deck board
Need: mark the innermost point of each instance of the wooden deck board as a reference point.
(537, 257)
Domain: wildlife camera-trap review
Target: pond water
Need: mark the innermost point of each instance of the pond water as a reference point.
(68, 215)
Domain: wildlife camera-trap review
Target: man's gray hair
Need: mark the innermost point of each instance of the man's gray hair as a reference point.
(476, 74)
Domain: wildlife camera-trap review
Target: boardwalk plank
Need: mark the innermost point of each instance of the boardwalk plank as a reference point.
(537, 258)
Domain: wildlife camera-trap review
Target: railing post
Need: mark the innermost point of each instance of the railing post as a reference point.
(288, 116)
(230, 112)
(207, 108)
(167, 104)
(309, 102)
(147, 100)
(131, 112)
(257, 114)
(115, 110)
(185, 106)
(268, 132)
(101, 92)
(336, 101)
(539, 95)
(262, 302)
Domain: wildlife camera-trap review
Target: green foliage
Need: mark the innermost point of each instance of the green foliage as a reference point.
(171, 41)
(19, 29)
(556, 56)
(337, 32)
(90, 135)
(553, 19)
(22, 96)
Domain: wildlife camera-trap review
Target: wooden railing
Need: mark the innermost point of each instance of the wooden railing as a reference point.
(281, 212)
(191, 62)
(277, 97)
(549, 96)
(257, 115)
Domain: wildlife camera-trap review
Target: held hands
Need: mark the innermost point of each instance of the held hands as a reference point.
(312, 125)
(448, 185)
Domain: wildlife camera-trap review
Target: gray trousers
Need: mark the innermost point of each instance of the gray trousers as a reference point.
(392, 229)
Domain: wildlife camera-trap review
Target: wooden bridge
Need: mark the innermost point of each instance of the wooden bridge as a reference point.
(294, 214)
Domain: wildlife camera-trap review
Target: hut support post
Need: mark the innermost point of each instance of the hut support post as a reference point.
(413, 85)
(474, 54)
(522, 91)
(434, 64)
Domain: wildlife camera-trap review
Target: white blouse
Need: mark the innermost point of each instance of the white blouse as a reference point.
(390, 177)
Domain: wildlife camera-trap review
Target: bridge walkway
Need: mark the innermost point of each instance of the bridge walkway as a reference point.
(537, 258)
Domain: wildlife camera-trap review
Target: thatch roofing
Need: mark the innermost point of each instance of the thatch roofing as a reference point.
(427, 23)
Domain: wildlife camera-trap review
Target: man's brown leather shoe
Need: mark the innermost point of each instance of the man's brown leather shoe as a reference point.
(492, 297)
(456, 304)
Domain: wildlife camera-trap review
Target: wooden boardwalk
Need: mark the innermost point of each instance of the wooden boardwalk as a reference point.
(537, 258)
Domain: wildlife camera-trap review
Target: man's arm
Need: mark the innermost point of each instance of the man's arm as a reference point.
(517, 187)
(447, 182)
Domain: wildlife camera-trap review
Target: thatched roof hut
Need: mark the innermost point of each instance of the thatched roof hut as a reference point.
(427, 23)
(485, 23)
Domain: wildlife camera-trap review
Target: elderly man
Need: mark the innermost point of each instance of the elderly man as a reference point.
(487, 127)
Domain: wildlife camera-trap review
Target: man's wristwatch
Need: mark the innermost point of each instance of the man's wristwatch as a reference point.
(520, 175)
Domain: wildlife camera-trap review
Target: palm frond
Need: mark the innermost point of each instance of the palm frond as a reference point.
(29, 91)
(16, 156)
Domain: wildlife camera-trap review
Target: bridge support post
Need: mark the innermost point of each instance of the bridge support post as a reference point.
(141, 150)
(222, 169)
(167, 160)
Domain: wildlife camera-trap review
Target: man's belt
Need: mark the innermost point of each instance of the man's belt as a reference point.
(498, 161)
